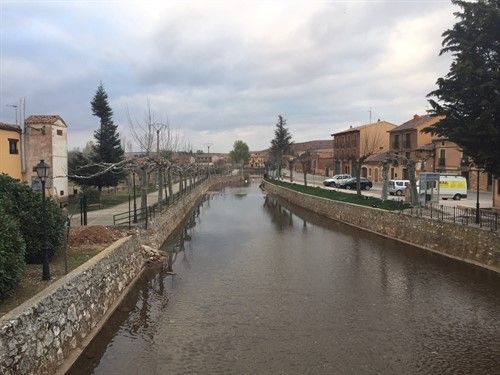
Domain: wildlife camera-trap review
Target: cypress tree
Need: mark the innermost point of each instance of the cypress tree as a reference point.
(107, 148)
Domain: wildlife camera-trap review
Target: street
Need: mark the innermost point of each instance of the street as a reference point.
(485, 198)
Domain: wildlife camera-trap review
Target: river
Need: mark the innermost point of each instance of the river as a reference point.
(255, 287)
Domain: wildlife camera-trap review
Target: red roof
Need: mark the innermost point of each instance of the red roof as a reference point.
(44, 119)
(10, 127)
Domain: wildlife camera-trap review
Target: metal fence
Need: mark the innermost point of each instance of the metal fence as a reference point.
(142, 216)
(459, 215)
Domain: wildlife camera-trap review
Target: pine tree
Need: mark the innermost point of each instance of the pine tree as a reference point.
(469, 94)
(107, 148)
(281, 143)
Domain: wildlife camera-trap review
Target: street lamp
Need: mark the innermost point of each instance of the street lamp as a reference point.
(42, 170)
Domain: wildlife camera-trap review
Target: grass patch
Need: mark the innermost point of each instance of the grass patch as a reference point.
(334, 195)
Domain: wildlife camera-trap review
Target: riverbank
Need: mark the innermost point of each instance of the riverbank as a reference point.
(468, 244)
(45, 334)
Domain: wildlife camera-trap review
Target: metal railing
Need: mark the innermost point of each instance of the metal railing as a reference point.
(143, 216)
(458, 215)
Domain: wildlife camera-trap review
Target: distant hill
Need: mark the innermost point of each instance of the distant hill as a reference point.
(309, 145)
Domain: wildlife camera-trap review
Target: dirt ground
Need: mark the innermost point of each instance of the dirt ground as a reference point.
(84, 243)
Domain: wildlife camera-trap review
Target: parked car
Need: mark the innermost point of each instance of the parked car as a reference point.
(349, 184)
(397, 187)
(336, 180)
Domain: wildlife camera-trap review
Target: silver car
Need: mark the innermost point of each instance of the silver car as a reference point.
(336, 180)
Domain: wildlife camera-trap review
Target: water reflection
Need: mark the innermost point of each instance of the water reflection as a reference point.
(256, 285)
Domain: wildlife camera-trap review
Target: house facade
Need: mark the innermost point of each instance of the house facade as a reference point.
(408, 141)
(47, 139)
(10, 150)
(365, 140)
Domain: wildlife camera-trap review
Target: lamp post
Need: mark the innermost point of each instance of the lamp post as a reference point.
(477, 198)
(42, 170)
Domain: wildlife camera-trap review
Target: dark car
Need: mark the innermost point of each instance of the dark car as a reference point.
(365, 183)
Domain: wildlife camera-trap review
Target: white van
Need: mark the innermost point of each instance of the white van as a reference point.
(450, 186)
(397, 187)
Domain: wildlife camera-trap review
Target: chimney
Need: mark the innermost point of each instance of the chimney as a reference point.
(378, 120)
(415, 116)
(350, 126)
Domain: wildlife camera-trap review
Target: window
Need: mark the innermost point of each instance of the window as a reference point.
(61, 193)
(13, 146)
(407, 140)
(59, 132)
(396, 141)
(442, 153)
(407, 155)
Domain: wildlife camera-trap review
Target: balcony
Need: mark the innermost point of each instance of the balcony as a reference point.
(441, 162)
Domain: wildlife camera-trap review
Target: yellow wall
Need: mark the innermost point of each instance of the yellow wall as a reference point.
(10, 163)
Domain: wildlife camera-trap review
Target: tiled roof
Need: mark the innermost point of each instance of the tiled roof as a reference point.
(356, 128)
(427, 147)
(10, 127)
(417, 121)
(44, 119)
(378, 158)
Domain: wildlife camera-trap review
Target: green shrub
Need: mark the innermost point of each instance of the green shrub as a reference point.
(362, 200)
(25, 205)
(12, 248)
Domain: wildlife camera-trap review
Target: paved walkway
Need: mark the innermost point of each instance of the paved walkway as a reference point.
(105, 216)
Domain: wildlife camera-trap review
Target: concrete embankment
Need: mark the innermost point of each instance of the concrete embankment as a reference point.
(45, 334)
(469, 244)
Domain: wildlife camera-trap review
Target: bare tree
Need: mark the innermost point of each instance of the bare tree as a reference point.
(305, 160)
(371, 143)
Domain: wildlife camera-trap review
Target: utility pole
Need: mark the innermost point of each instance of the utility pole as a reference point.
(208, 144)
(370, 111)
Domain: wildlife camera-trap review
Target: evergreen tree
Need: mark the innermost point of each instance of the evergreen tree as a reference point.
(469, 95)
(107, 148)
(281, 143)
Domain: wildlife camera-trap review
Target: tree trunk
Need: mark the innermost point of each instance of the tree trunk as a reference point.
(170, 187)
(385, 179)
(410, 167)
(358, 176)
(290, 166)
(144, 192)
(160, 186)
(305, 174)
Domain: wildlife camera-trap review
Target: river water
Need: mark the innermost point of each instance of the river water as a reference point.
(256, 287)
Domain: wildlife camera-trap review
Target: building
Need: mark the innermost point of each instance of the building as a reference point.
(46, 137)
(409, 141)
(10, 150)
(496, 195)
(356, 142)
(258, 159)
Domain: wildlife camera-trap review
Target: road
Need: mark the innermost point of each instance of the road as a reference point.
(485, 198)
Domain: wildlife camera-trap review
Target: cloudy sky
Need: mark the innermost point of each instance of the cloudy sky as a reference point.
(223, 70)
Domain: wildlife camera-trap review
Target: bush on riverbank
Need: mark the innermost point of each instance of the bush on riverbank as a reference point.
(12, 248)
(25, 206)
(362, 200)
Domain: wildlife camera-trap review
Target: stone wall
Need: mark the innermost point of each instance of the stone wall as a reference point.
(39, 335)
(470, 244)
(163, 225)
(47, 331)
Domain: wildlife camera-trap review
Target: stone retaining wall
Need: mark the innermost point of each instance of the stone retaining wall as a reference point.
(163, 225)
(39, 335)
(45, 332)
(469, 244)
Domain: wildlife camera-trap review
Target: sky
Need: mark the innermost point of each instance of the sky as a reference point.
(218, 71)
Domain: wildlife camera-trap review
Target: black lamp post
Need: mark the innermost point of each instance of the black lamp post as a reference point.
(42, 170)
(477, 198)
